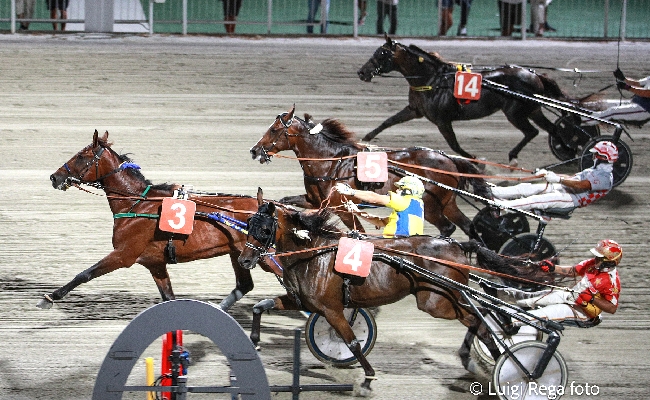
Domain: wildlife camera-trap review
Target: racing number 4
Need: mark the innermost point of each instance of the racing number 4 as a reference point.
(177, 216)
(468, 85)
(354, 257)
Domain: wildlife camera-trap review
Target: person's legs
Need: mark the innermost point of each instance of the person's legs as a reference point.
(465, 6)
(523, 190)
(553, 312)
(381, 15)
(537, 16)
(554, 201)
(446, 20)
(393, 20)
(312, 8)
(625, 112)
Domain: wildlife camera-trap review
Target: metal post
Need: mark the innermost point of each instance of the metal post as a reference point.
(295, 387)
(269, 16)
(623, 20)
(355, 16)
(13, 16)
(151, 17)
(524, 20)
(184, 17)
(323, 16)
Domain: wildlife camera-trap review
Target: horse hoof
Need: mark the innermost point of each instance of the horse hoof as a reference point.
(514, 163)
(45, 303)
(362, 391)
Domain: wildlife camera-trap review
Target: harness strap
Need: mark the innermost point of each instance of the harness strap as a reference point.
(135, 215)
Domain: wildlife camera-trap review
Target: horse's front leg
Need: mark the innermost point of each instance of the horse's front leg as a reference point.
(406, 114)
(161, 277)
(450, 137)
(337, 320)
(244, 284)
(520, 121)
(284, 302)
(115, 260)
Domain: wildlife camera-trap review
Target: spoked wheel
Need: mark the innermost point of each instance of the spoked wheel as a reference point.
(511, 383)
(571, 137)
(326, 345)
(622, 166)
(496, 231)
(480, 350)
(523, 243)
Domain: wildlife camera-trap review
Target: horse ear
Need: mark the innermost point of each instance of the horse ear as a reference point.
(260, 196)
(388, 40)
(289, 115)
(105, 137)
(95, 138)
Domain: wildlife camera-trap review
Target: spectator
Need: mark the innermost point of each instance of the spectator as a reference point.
(230, 13)
(363, 5)
(25, 10)
(58, 5)
(313, 6)
(387, 8)
(446, 20)
(509, 15)
(465, 6)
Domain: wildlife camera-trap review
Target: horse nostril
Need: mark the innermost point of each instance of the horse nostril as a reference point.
(52, 178)
(253, 153)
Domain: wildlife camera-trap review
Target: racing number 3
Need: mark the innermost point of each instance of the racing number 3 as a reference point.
(468, 85)
(177, 216)
(372, 166)
(354, 257)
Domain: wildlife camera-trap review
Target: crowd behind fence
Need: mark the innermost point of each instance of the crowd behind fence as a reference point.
(568, 19)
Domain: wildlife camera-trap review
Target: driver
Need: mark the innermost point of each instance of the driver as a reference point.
(638, 110)
(597, 291)
(564, 193)
(407, 218)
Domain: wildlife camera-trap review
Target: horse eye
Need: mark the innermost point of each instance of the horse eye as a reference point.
(266, 232)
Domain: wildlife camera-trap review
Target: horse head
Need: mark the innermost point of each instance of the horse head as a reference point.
(262, 231)
(381, 61)
(276, 137)
(83, 167)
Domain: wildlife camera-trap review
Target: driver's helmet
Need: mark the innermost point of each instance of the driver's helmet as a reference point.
(606, 151)
(608, 250)
(411, 185)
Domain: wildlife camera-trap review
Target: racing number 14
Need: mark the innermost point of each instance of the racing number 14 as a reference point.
(467, 85)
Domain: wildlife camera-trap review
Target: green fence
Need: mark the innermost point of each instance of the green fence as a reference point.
(589, 19)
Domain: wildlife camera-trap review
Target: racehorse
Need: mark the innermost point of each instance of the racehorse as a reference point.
(136, 204)
(327, 156)
(431, 81)
(309, 241)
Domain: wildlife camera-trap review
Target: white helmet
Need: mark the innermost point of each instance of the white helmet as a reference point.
(605, 150)
(608, 250)
(412, 184)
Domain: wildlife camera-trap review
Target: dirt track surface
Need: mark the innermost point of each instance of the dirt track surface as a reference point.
(187, 110)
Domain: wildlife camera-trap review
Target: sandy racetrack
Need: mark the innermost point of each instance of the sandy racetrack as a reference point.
(187, 110)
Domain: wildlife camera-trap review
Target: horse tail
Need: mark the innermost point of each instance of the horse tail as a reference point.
(479, 185)
(514, 266)
(552, 89)
(491, 260)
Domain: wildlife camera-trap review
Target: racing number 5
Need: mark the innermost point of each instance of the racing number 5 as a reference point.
(372, 166)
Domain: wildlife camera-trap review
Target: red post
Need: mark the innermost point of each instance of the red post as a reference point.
(170, 340)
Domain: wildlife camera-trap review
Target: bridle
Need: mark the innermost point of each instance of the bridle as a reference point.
(385, 62)
(262, 228)
(94, 161)
(71, 180)
(284, 132)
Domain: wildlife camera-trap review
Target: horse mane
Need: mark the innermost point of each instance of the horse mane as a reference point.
(135, 172)
(433, 56)
(335, 131)
(317, 223)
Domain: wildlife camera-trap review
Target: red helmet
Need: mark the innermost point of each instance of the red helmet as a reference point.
(605, 150)
(609, 250)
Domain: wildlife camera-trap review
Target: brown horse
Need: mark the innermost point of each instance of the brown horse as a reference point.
(327, 156)
(431, 81)
(136, 204)
(312, 283)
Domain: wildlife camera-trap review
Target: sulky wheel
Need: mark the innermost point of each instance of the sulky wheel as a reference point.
(522, 245)
(622, 166)
(496, 231)
(480, 352)
(570, 137)
(326, 345)
(511, 383)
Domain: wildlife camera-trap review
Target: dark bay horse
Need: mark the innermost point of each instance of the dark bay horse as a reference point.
(135, 204)
(431, 81)
(327, 157)
(312, 283)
